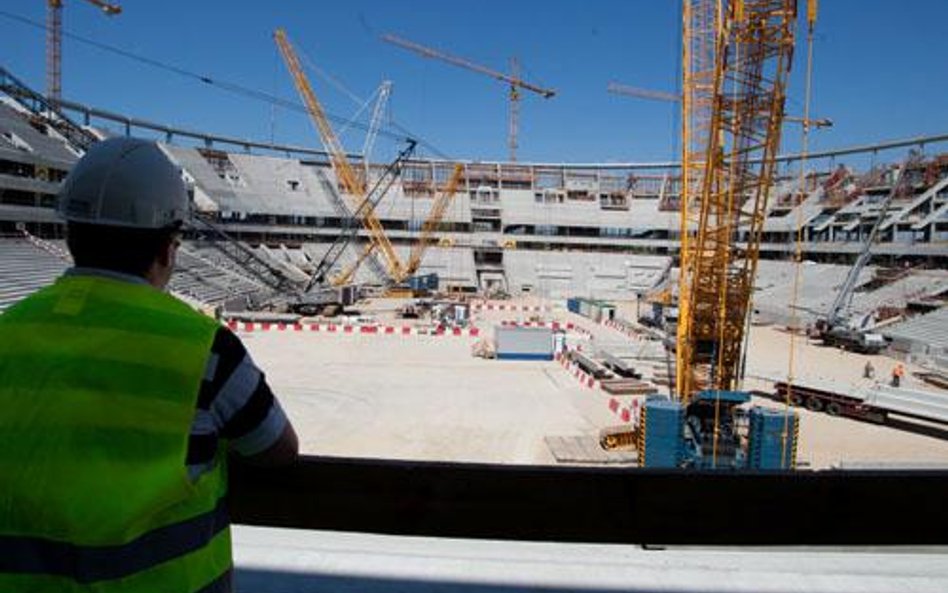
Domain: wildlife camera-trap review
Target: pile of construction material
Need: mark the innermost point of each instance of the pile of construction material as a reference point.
(625, 386)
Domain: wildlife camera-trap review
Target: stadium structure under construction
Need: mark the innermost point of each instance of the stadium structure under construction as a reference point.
(531, 350)
(604, 231)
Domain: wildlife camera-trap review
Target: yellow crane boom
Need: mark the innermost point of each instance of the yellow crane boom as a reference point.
(438, 210)
(353, 185)
(346, 275)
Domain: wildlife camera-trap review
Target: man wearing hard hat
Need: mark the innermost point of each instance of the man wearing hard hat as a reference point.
(119, 402)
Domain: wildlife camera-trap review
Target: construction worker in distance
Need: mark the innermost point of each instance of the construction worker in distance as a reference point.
(897, 373)
(119, 402)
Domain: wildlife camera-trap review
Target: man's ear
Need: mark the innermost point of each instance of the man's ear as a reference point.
(166, 256)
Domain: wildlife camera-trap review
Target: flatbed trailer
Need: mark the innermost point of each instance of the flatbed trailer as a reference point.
(872, 403)
(831, 402)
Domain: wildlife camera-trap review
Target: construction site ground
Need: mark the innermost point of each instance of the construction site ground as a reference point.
(421, 397)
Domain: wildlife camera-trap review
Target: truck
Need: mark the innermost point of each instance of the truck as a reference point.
(851, 338)
(838, 328)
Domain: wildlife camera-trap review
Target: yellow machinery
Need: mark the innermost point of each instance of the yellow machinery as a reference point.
(736, 62)
(346, 275)
(54, 41)
(438, 210)
(513, 79)
(731, 133)
(354, 185)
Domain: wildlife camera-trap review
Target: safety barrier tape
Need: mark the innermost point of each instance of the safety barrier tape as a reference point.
(622, 329)
(346, 328)
(625, 413)
(508, 307)
(554, 325)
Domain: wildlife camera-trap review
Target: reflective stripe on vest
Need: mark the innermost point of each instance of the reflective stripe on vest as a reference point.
(98, 387)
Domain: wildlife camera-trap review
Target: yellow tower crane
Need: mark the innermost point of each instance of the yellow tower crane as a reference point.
(54, 38)
(513, 79)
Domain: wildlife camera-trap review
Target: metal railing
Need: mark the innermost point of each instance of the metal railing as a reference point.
(603, 505)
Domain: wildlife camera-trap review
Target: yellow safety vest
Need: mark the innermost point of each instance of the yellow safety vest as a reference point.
(99, 381)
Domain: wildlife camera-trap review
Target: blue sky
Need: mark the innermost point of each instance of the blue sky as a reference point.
(880, 70)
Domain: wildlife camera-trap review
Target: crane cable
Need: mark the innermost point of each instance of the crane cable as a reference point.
(798, 251)
(395, 132)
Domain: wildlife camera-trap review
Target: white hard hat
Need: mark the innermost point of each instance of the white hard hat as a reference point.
(125, 182)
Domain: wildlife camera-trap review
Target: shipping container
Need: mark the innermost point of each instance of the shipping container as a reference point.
(524, 343)
(584, 307)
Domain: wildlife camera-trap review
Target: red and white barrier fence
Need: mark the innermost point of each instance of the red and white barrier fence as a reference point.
(554, 325)
(626, 414)
(347, 328)
(621, 328)
(509, 307)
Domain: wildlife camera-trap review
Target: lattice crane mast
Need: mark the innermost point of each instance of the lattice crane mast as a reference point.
(722, 224)
(353, 185)
(54, 42)
(385, 89)
(736, 62)
(513, 80)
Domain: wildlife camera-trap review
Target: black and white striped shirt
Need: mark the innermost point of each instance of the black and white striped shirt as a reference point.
(234, 403)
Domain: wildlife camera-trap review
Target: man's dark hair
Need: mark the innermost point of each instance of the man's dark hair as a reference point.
(120, 249)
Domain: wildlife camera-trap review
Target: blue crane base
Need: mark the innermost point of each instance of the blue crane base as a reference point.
(716, 431)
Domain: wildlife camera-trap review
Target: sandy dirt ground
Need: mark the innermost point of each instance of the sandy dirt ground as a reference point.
(427, 398)
(421, 398)
(825, 440)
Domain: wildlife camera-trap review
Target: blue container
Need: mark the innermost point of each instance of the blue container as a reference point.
(428, 282)
(772, 439)
(662, 424)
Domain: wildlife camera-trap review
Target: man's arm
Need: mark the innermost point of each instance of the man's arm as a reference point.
(239, 404)
(283, 452)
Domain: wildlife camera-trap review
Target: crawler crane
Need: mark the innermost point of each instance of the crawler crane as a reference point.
(838, 327)
(362, 198)
(737, 56)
